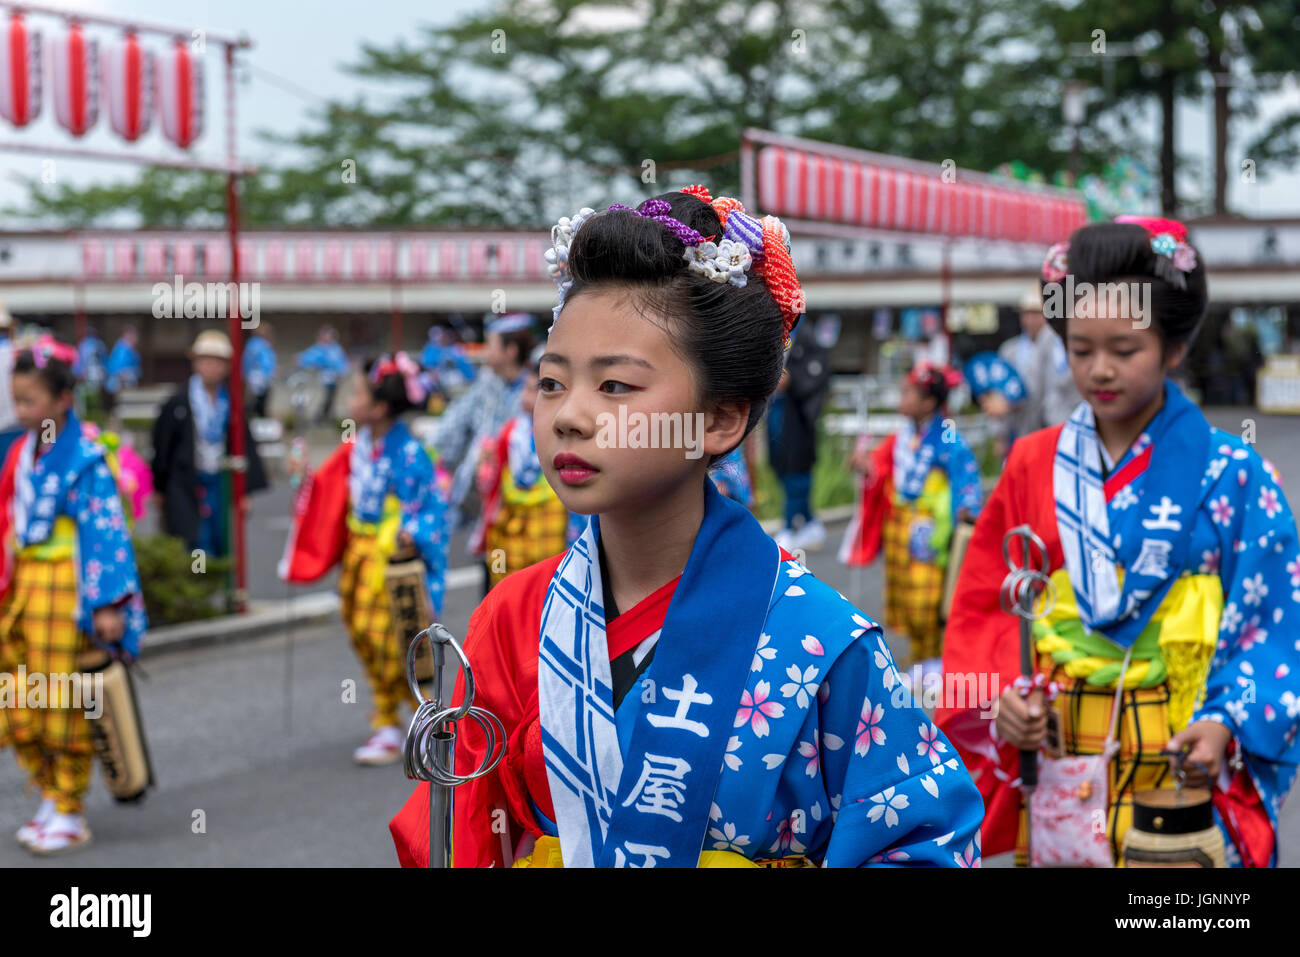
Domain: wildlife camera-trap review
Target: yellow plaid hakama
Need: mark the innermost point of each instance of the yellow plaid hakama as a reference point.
(913, 589)
(1186, 624)
(368, 619)
(1144, 731)
(38, 631)
(530, 526)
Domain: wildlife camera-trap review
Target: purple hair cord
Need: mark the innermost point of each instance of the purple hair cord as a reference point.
(658, 210)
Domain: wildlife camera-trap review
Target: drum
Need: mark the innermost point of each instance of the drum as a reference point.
(409, 607)
(1173, 828)
(118, 733)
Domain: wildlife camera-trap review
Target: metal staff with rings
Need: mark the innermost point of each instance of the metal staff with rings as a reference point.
(1027, 582)
(429, 754)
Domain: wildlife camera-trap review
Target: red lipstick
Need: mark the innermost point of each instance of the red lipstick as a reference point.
(573, 469)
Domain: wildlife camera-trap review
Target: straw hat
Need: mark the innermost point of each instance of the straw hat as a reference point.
(213, 343)
(1032, 299)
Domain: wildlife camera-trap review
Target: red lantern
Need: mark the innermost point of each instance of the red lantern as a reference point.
(128, 88)
(20, 72)
(180, 96)
(76, 89)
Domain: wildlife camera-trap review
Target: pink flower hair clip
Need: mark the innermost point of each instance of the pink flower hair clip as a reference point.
(1055, 266)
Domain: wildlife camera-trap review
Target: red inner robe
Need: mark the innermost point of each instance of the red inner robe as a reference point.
(502, 643)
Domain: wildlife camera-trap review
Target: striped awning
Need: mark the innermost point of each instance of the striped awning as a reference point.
(807, 181)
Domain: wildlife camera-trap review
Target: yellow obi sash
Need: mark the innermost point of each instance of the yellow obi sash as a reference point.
(386, 529)
(61, 545)
(546, 853)
(378, 538)
(1176, 647)
(512, 494)
(935, 503)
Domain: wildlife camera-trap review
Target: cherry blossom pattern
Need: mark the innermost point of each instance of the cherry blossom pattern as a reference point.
(1255, 589)
(756, 709)
(886, 804)
(1124, 498)
(1230, 620)
(931, 745)
(1221, 510)
(969, 857)
(786, 842)
(731, 759)
(765, 652)
(1268, 502)
(1251, 634)
(726, 838)
(801, 686)
(869, 730)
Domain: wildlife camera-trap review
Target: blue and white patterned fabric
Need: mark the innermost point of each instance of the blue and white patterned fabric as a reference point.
(989, 372)
(1151, 542)
(778, 729)
(73, 479)
(402, 468)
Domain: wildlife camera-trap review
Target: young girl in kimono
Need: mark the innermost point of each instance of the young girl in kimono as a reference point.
(69, 583)
(676, 691)
(524, 520)
(1169, 542)
(918, 484)
(375, 495)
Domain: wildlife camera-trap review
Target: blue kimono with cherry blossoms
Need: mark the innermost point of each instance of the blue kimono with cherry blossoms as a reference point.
(72, 480)
(770, 721)
(399, 472)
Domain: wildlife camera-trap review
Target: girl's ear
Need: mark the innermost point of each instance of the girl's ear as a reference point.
(1174, 355)
(724, 426)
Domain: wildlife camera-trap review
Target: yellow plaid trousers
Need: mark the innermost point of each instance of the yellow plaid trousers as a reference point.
(38, 631)
(369, 622)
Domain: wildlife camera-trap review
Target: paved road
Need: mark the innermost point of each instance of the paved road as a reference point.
(269, 797)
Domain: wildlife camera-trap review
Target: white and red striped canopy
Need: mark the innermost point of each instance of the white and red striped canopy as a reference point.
(73, 62)
(856, 188)
(20, 72)
(180, 95)
(128, 87)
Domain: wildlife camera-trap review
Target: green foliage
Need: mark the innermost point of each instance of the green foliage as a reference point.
(173, 592)
(518, 114)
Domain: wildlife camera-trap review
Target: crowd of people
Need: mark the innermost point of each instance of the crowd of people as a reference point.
(636, 615)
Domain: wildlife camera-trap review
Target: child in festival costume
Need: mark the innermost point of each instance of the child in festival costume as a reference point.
(373, 496)
(673, 683)
(524, 521)
(918, 483)
(68, 581)
(1168, 540)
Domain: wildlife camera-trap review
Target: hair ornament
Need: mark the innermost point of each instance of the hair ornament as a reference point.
(401, 364)
(1175, 257)
(1056, 265)
(47, 347)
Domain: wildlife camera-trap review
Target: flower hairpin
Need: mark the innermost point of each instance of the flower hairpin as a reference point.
(1055, 266)
(401, 364)
(47, 347)
(746, 244)
(1175, 257)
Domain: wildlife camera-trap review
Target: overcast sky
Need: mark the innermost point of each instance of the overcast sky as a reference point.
(306, 41)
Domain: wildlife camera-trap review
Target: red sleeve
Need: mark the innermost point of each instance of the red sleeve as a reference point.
(319, 532)
(491, 813)
(982, 640)
(873, 509)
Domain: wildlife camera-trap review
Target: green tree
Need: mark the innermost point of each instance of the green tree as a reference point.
(515, 116)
